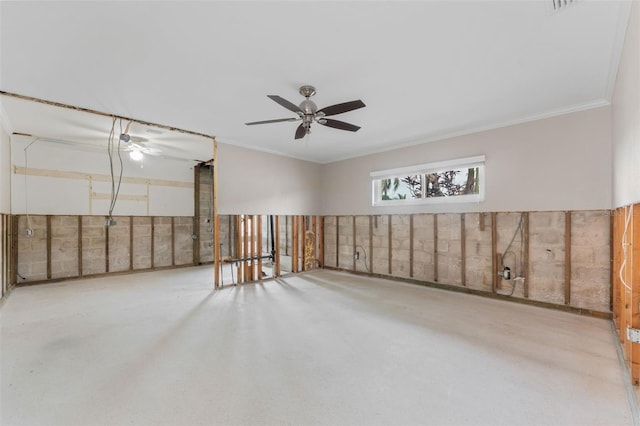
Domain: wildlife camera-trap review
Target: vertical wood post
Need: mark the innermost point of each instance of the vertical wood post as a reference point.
(239, 248)
(259, 236)
(245, 247)
(411, 245)
(153, 241)
(106, 248)
(80, 246)
(320, 254)
(390, 243)
(294, 243)
(131, 243)
(354, 241)
(173, 241)
(370, 244)
(196, 217)
(525, 256)
(634, 308)
(494, 252)
(435, 247)
(217, 266)
(337, 241)
(276, 234)
(567, 258)
(463, 250)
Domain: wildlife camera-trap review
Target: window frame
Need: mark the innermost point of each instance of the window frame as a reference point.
(378, 176)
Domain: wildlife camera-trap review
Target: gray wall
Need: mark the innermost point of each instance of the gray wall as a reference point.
(253, 182)
(560, 163)
(626, 118)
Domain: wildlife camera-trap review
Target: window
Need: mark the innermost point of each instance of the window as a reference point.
(459, 181)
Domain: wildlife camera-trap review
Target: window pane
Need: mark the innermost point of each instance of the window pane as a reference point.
(408, 187)
(452, 182)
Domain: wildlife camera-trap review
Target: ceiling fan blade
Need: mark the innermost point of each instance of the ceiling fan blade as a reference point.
(343, 107)
(337, 124)
(278, 120)
(285, 103)
(301, 131)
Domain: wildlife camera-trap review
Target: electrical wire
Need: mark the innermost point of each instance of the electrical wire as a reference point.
(365, 259)
(625, 244)
(519, 230)
(115, 189)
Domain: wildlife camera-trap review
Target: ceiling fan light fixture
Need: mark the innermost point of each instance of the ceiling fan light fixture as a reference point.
(136, 155)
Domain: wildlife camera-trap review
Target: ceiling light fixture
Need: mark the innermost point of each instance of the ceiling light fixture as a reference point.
(136, 155)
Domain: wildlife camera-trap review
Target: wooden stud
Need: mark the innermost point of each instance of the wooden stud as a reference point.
(411, 245)
(337, 241)
(525, 256)
(435, 247)
(314, 228)
(14, 250)
(3, 244)
(245, 247)
(390, 243)
(276, 234)
(254, 240)
(371, 219)
(354, 241)
(301, 236)
(286, 235)
(463, 251)
(259, 243)
(320, 239)
(495, 272)
(131, 243)
(80, 272)
(196, 215)
(613, 260)
(215, 217)
(106, 248)
(567, 258)
(494, 252)
(481, 222)
(48, 247)
(239, 249)
(173, 241)
(634, 281)
(153, 241)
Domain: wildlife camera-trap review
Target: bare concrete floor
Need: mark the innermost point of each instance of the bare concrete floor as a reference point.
(315, 348)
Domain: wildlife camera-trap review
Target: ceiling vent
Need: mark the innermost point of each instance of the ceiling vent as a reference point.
(558, 5)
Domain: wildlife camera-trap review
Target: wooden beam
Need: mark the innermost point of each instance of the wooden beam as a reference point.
(353, 230)
(106, 248)
(239, 253)
(153, 241)
(435, 247)
(276, 234)
(253, 247)
(390, 240)
(370, 257)
(80, 273)
(48, 246)
(411, 245)
(337, 241)
(173, 241)
(196, 215)
(634, 307)
(245, 247)
(494, 252)
(301, 236)
(481, 224)
(320, 238)
(463, 250)
(217, 256)
(130, 243)
(525, 260)
(567, 258)
(259, 244)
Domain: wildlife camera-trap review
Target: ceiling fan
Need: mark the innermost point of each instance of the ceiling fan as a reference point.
(308, 112)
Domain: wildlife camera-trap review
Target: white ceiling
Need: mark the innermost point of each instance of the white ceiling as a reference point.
(425, 69)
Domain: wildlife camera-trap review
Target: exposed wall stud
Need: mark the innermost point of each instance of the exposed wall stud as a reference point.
(494, 253)
(130, 243)
(277, 246)
(390, 243)
(370, 256)
(353, 253)
(567, 258)
(411, 245)
(80, 246)
(481, 222)
(106, 249)
(49, 247)
(435, 247)
(337, 241)
(525, 255)
(463, 251)
(153, 241)
(196, 215)
(259, 244)
(320, 253)
(173, 241)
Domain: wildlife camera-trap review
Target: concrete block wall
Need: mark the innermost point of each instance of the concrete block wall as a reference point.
(388, 247)
(64, 246)
(78, 245)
